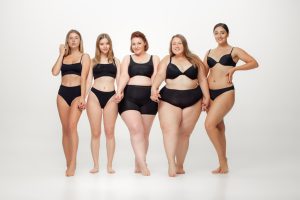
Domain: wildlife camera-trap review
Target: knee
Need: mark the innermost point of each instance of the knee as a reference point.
(109, 133)
(96, 134)
(72, 127)
(209, 125)
(185, 135)
(135, 129)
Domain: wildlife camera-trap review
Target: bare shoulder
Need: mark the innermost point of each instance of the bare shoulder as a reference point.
(85, 57)
(117, 61)
(166, 59)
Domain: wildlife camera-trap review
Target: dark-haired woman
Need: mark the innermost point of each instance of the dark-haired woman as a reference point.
(221, 65)
(180, 101)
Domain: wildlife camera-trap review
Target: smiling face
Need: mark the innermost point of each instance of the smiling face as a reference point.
(138, 45)
(177, 46)
(74, 40)
(104, 46)
(220, 35)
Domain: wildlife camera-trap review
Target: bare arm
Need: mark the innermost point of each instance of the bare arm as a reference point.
(83, 79)
(57, 65)
(89, 79)
(205, 64)
(155, 66)
(240, 54)
(124, 76)
(159, 78)
(118, 65)
(250, 62)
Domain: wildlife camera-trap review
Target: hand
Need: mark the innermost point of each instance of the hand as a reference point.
(155, 95)
(62, 49)
(205, 104)
(118, 97)
(81, 103)
(230, 74)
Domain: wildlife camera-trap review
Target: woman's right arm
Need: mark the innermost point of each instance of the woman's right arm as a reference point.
(56, 67)
(205, 64)
(159, 78)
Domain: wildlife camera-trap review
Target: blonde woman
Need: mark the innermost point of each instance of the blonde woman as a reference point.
(73, 64)
(104, 70)
(180, 101)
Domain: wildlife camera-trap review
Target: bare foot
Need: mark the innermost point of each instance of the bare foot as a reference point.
(137, 168)
(180, 170)
(94, 170)
(70, 171)
(172, 170)
(110, 170)
(145, 172)
(221, 170)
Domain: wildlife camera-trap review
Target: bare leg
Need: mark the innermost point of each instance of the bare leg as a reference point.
(213, 124)
(73, 121)
(190, 117)
(147, 123)
(110, 115)
(94, 113)
(63, 110)
(170, 119)
(133, 120)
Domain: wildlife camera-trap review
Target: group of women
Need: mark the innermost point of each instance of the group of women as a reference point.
(191, 86)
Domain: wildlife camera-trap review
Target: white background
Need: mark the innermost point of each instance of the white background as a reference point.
(262, 129)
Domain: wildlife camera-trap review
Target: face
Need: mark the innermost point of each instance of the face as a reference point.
(177, 46)
(104, 45)
(73, 40)
(138, 45)
(220, 35)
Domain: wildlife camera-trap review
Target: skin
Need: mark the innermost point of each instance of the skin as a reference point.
(96, 113)
(221, 76)
(139, 125)
(69, 115)
(178, 124)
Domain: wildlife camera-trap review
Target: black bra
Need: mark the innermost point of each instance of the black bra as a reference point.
(100, 70)
(173, 71)
(74, 68)
(140, 69)
(224, 60)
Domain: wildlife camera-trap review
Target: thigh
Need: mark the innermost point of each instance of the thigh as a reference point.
(63, 111)
(190, 116)
(133, 120)
(94, 112)
(169, 117)
(110, 114)
(75, 113)
(147, 122)
(220, 107)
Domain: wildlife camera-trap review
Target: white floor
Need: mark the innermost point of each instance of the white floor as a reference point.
(33, 168)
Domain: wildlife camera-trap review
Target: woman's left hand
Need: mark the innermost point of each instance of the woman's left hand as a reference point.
(205, 104)
(230, 74)
(81, 103)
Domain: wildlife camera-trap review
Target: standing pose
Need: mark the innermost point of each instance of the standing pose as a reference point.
(74, 66)
(221, 64)
(105, 69)
(136, 108)
(181, 100)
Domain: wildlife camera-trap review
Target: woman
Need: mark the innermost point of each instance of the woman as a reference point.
(74, 66)
(136, 108)
(181, 100)
(221, 65)
(105, 69)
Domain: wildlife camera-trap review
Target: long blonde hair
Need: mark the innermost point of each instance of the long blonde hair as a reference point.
(110, 55)
(192, 58)
(68, 49)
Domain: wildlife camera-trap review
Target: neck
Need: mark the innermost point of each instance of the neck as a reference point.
(73, 51)
(140, 55)
(223, 45)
